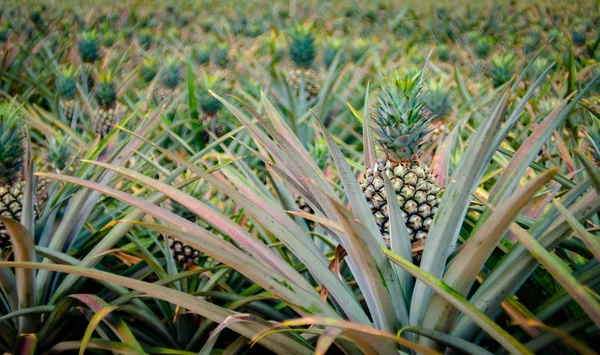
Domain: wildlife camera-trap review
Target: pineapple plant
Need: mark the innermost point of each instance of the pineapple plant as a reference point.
(11, 170)
(303, 53)
(400, 128)
(182, 253)
(89, 51)
(66, 85)
(169, 80)
(105, 114)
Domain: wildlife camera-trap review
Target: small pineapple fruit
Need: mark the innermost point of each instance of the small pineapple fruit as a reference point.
(182, 252)
(89, 51)
(400, 128)
(106, 112)
(11, 170)
(169, 80)
(66, 85)
(210, 105)
(303, 53)
(320, 154)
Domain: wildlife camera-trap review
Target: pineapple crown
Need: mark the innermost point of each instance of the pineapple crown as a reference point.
(106, 93)
(89, 46)
(148, 70)
(58, 152)
(302, 45)
(222, 54)
(66, 84)
(11, 149)
(171, 75)
(401, 123)
(438, 99)
(320, 152)
(208, 103)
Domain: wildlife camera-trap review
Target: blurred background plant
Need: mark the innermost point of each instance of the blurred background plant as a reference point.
(181, 178)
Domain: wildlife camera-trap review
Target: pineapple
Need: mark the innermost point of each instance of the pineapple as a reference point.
(66, 85)
(303, 53)
(89, 51)
(181, 252)
(169, 81)
(320, 153)
(210, 105)
(11, 174)
(106, 112)
(400, 128)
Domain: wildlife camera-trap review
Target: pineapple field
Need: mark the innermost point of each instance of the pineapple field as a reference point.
(299, 177)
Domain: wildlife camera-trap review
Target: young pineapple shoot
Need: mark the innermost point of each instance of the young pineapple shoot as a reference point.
(105, 114)
(11, 174)
(303, 53)
(66, 85)
(400, 128)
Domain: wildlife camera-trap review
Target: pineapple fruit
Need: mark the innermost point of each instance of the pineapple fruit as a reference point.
(11, 174)
(182, 253)
(66, 85)
(169, 81)
(303, 53)
(210, 105)
(89, 51)
(400, 128)
(106, 113)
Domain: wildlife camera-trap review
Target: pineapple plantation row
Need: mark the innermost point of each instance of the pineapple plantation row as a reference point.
(299, 178)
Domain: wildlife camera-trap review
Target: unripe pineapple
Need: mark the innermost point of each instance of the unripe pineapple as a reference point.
(303, 53)
(400, 128)
(169, 80)
(66, 85)
(89, 50)
(210, 105)
(11, 170)
(320, 154)
(182, 252)
(106, 112)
